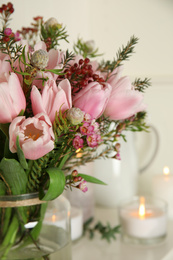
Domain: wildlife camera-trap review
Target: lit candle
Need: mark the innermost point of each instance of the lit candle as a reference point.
(143, 220)
(162, 186)
(60, 221)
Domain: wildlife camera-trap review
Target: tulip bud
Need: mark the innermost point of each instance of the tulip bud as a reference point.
(75, 115)
(39, 59)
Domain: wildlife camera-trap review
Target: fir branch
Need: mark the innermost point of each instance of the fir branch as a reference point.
(36, 171)
(122, 54)
(68, 56)
(137, 123)
(141, 85)
(106, 231)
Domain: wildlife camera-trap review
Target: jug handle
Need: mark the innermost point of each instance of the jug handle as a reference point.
(142, 169)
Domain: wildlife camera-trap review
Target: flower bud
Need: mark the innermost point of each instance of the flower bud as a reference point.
(39, 59)
(74, 173)
(75, 115)
(90, 45)
(83, 186)
(117, 147)
(7, 31)
(53, 23)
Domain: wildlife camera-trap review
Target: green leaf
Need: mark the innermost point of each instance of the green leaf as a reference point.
(91, 179)
(20, 154)
(56, 183)
(14, 175)
(64, 159)
(36, 230)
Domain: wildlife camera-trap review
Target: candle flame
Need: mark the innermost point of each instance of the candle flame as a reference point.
(142, 207)
(78, 150)
(78, 154)
(53, 218)
(166, 171)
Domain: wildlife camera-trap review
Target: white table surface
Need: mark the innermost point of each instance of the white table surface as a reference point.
(98, 249)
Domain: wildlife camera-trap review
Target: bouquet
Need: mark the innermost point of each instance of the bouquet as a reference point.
(55, 103)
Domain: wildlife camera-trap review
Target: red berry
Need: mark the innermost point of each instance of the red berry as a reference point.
(6, 39)
(11, 10)
(4, 7)
(81, 61)
(87, 60)
(9, 5)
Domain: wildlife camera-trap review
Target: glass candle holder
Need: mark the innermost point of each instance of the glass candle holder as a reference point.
(143, 220)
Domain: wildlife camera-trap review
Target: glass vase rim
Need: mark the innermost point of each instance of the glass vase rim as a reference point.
(23, 196)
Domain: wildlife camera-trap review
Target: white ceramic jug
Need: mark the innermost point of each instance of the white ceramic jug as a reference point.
(121, 176)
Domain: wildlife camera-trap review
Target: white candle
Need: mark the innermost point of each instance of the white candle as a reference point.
(60, 221)
(76, 223)
(162, 186)
(143, 221)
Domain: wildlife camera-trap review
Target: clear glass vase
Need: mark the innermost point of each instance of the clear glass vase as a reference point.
(34, 230)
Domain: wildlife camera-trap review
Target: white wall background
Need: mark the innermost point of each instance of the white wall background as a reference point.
(111, 23)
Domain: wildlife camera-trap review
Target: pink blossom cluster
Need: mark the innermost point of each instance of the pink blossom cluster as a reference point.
(89, 131)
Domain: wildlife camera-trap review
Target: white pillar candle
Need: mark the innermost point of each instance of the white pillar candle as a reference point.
(76, 223)
(162, 187)
(145, 222)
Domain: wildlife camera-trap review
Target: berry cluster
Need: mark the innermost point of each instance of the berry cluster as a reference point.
(80, 75)
(7, 9)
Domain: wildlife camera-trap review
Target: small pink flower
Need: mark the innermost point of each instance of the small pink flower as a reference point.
(7, 31)
(83, 187)
(117, 156)
(17, 36)
(87, 129)
(93, 140)
(77, 142)
(87, 117)
(36, 137)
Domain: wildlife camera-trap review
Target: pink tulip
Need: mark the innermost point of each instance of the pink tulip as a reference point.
(5, 67)
(12, 99)
(36, 136)
(52, 98)
(124, 100)
(93, 98)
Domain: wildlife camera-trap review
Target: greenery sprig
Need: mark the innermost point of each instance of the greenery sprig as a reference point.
(106, 231)
(123, 54)
(141, 85)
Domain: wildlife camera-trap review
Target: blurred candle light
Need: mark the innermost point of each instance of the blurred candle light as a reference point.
(162, 187)
(143, 220)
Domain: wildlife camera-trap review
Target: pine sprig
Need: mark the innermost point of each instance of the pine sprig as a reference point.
(123, 54)
(68, 56)
(106, 231)
(36, 171)
(141, 85)
(10, 48)
(138, 123)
